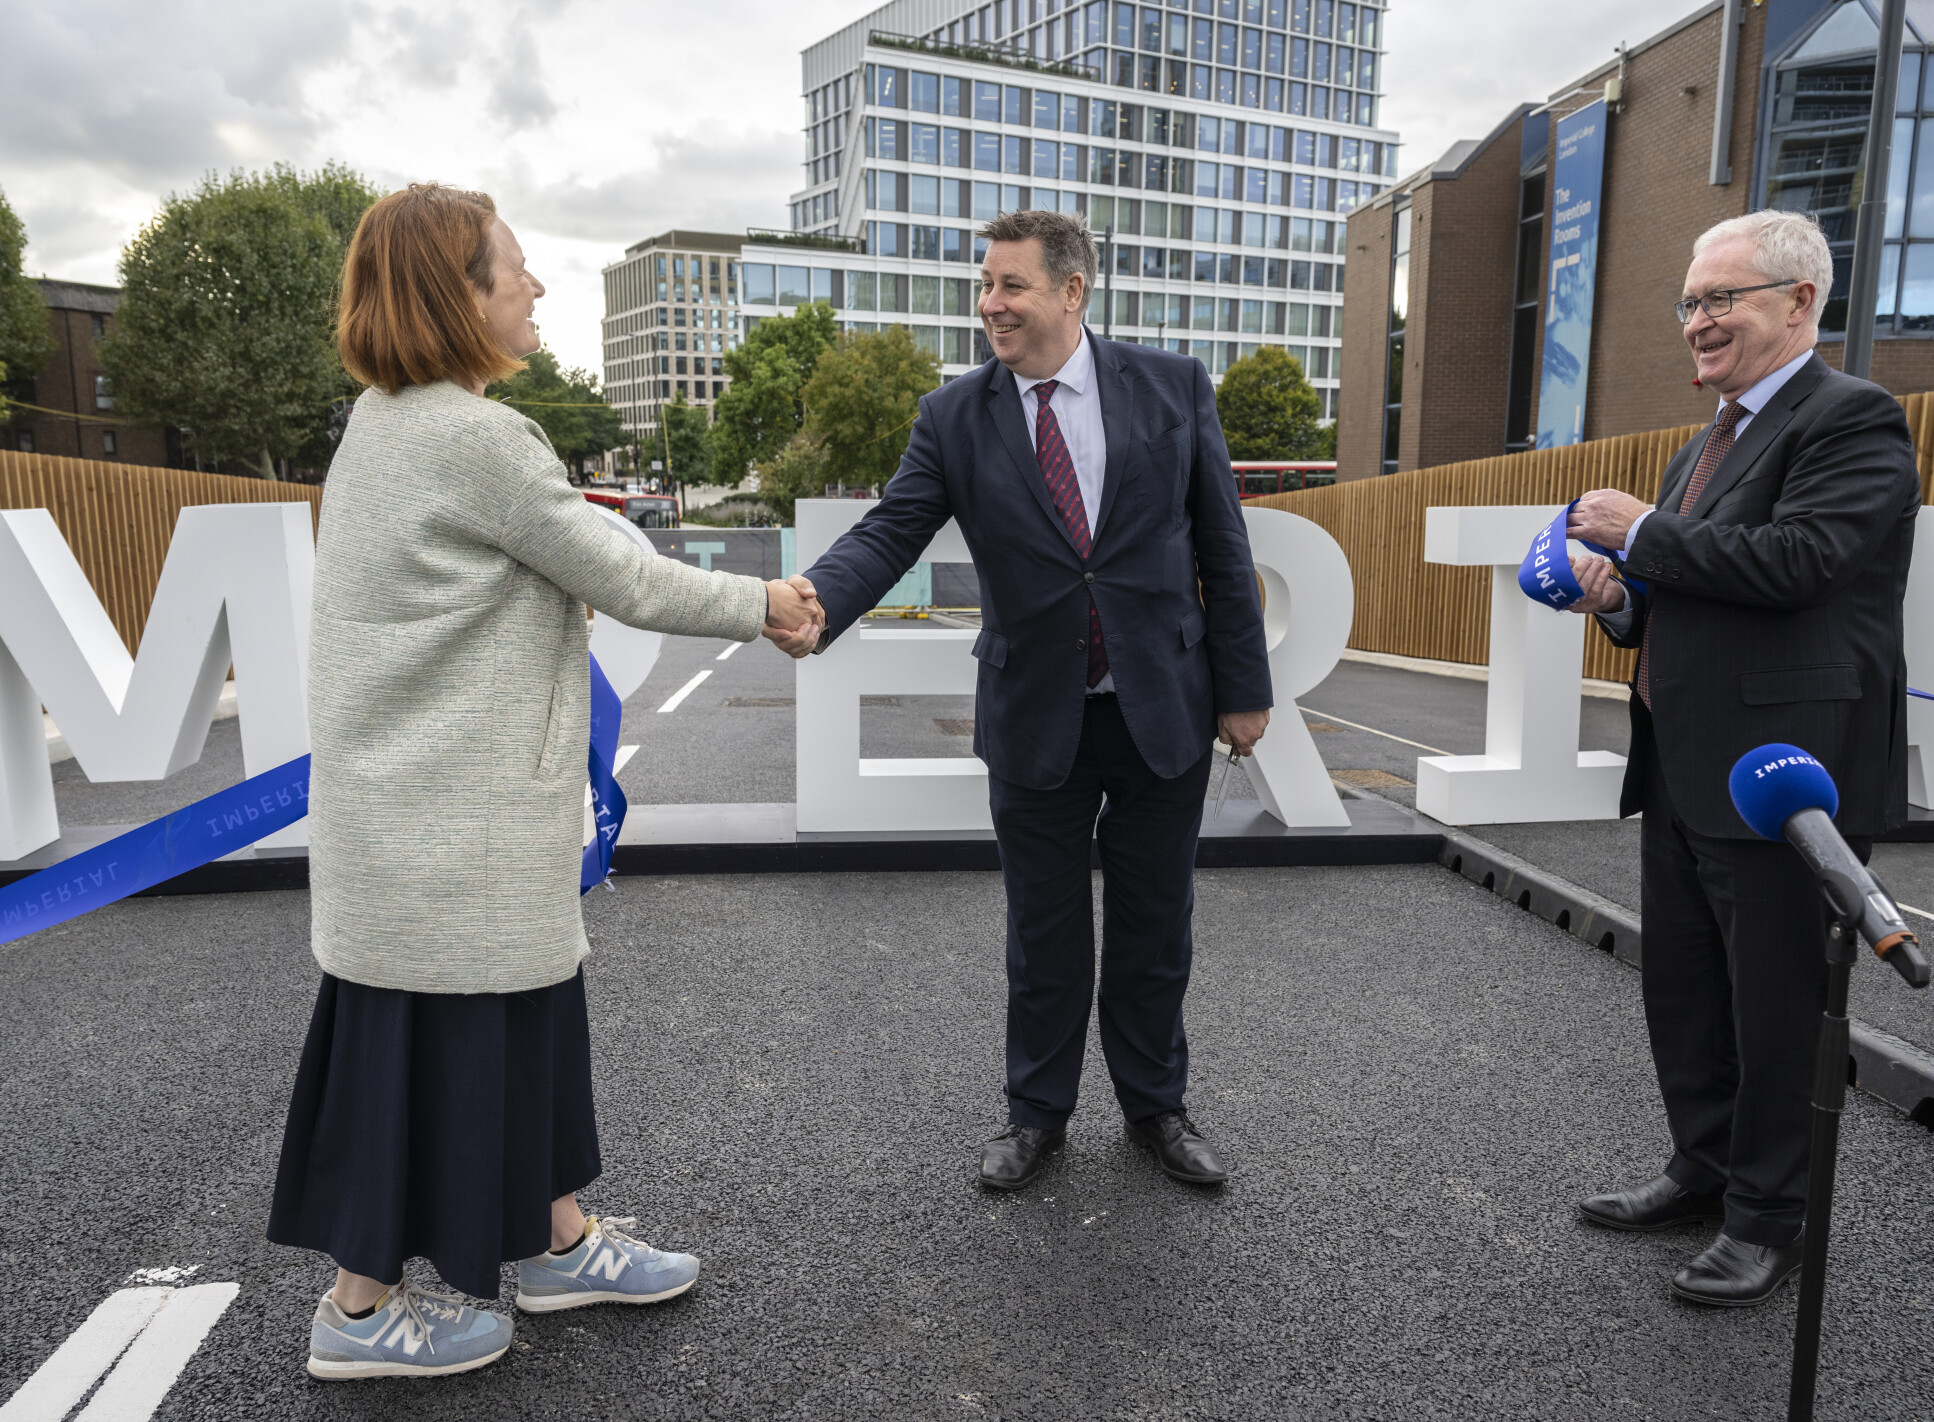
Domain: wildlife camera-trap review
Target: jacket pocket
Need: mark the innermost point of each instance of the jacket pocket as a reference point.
(1192, 629)
(553, 733)
(1837, 681)
(991, 648)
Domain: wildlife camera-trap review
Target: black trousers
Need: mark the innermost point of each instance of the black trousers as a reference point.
(1146, 835)
(1735, 981)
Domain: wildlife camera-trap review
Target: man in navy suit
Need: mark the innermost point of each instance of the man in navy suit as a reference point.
(1122, 632)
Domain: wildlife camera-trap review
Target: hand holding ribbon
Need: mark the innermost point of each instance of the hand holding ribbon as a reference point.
(1548, 575)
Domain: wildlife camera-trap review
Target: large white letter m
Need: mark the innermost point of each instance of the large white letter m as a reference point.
(236, 589)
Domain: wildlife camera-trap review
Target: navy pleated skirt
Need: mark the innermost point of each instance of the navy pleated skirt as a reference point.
(437, 1126)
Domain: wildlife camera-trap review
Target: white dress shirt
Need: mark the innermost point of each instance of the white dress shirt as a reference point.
(1076, 403)
(1755, 398)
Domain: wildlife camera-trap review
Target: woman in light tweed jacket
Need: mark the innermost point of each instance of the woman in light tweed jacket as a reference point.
(442, 1107)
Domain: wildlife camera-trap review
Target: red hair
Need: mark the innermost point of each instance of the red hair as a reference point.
(409, 312)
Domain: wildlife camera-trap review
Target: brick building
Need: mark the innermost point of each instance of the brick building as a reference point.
(1448, 271)
(73, 383)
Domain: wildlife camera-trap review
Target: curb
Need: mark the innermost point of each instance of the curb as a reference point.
(1879, 1063)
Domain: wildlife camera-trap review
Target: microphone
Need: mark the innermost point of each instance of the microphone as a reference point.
(1782, 792)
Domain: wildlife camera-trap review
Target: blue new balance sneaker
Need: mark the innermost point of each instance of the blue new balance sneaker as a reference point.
(412, 1334)
(606, 1266)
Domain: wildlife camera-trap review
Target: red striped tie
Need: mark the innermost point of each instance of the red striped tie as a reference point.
(1057, 467)
(1717, 443)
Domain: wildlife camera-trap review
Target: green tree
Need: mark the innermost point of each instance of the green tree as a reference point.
(25, 340)
(798, 471)
(1268, 410)
(226, 327)
(566, 404)
(761, 410)
(862, 400)
(688, 442)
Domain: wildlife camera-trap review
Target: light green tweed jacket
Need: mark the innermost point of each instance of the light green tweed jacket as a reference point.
(449, 692)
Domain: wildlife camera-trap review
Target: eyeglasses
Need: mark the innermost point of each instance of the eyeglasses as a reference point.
(1720, 303)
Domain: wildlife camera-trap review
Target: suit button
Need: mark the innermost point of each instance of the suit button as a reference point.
(1087, 577)
(1079, 645)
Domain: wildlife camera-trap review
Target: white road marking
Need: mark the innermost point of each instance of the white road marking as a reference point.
(1911, 909)
(153, 1331)
(89, 1351)
(154, 1360)
(684, 691)
(730, 649)
(1372, 730)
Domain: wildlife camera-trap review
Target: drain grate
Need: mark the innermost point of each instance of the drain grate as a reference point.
(1371, 779)
(758, 701)
(955, 725)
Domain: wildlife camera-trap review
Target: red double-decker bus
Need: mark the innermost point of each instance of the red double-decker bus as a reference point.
(1256, 477)
(645, 510)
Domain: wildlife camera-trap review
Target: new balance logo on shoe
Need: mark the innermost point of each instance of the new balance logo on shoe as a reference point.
(610, 1263)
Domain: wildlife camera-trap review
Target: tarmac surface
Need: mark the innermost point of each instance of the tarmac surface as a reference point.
(1414, 1080)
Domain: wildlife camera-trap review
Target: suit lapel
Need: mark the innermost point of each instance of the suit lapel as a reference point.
(1760, 434)
(1113, 383)
(1010, 420)
(1672, 484)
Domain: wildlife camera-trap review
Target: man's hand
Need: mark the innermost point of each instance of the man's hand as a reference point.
(1241, 730)
(1604, 517)
(794, 617)
(1603, 592)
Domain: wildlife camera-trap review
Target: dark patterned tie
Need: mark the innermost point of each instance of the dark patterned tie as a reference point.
(1057, 467)
(1717, 444)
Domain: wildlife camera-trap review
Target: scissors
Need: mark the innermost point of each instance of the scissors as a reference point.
(1228, 772)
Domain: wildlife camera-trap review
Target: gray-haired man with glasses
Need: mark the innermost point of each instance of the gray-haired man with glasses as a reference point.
(1763, 592)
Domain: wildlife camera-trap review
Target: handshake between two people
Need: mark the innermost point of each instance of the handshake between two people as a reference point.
(794, 616)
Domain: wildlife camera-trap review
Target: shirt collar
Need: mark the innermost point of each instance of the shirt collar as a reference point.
(1755, 399)
(1076, 375)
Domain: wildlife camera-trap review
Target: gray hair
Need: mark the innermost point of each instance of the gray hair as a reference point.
(1785, 245)
(1067, 246)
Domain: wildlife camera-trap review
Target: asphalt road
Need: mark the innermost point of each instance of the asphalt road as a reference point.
(1415, 1082)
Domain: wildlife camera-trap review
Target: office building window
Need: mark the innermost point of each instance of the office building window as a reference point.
(102, 400)
(1393, 362)
(1524, 311)
(107, 442)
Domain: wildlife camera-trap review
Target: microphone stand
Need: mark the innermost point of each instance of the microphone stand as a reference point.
(1829, 1100)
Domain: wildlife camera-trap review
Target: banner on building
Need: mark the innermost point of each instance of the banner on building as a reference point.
(1577, 175)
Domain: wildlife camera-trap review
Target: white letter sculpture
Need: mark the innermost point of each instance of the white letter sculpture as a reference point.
(1531, 769)
(837, 789)
(1309, 599)
(235, 590)
(1919, 614)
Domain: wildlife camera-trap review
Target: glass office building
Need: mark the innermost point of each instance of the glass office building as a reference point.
(671, 311)
(1819, 96)
(1221, 142)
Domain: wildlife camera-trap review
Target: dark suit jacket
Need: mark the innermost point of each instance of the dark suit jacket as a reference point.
(1775, 605)
(1169, 566)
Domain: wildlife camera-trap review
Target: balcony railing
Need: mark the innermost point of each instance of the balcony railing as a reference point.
(1008, 56)
(825, 241)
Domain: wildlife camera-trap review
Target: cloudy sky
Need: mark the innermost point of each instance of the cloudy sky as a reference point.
(594, 122)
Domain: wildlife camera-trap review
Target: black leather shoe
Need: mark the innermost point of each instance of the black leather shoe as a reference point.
(1016, 1156)
(1733, 1274)
(1657, 1204)
(1182, 1151)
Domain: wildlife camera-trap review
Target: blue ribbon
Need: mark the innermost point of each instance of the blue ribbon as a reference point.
(235, 818)
(226, 821)
(1545, 575)
(607, 800)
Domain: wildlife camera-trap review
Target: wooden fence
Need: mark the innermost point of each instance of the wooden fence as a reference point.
(119, 518)
(1417, 609)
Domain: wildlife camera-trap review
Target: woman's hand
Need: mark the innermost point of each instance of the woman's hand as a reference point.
(794, 617)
